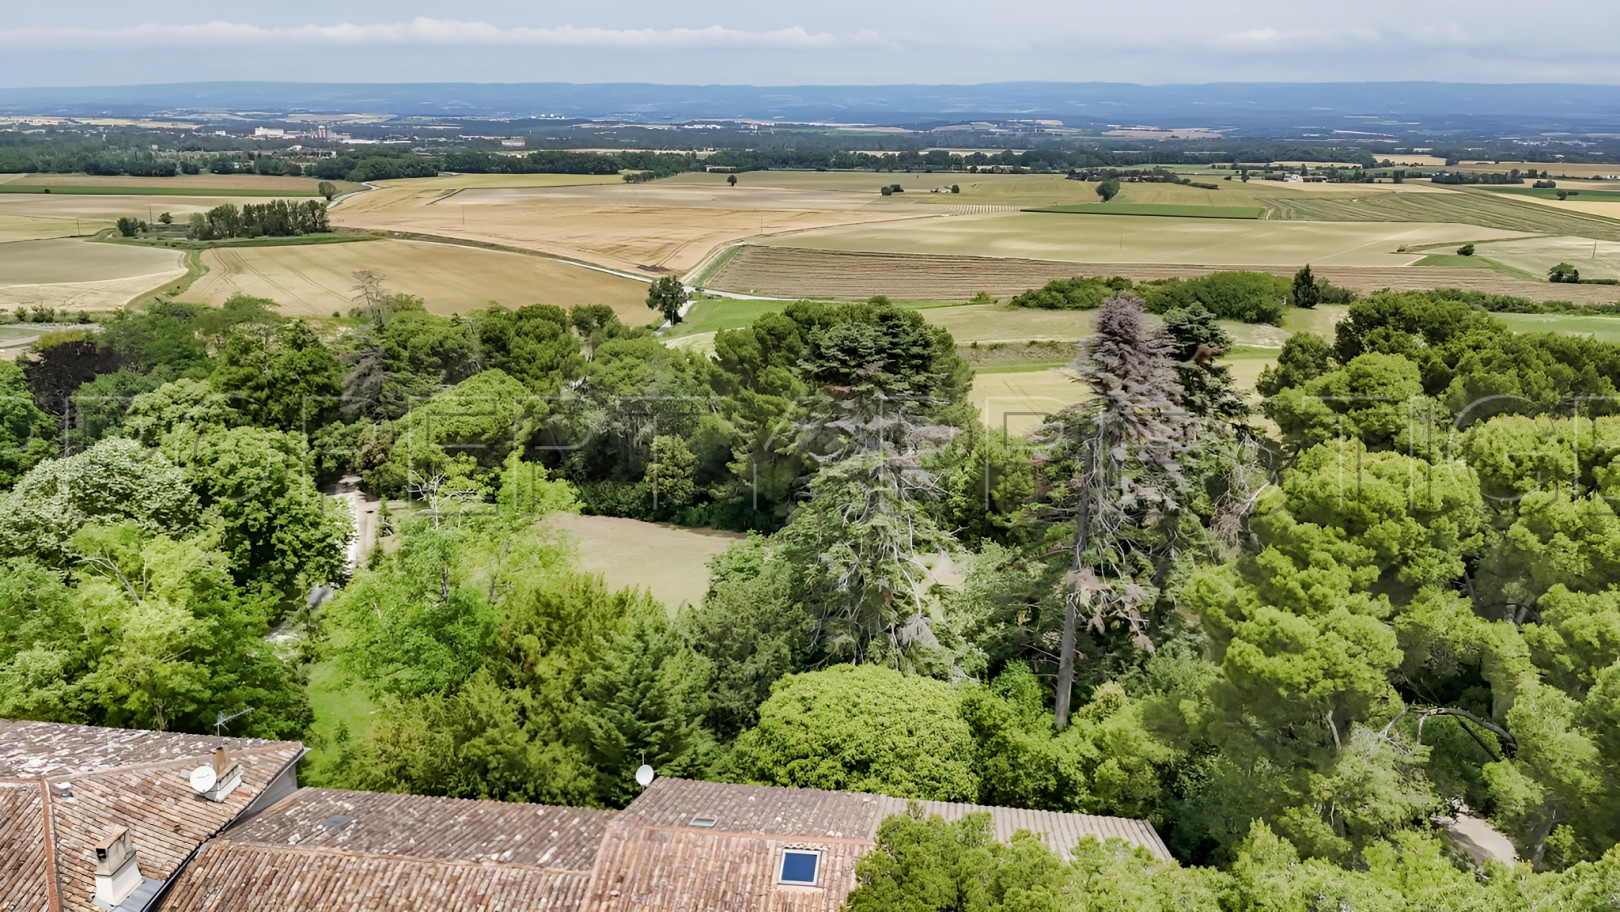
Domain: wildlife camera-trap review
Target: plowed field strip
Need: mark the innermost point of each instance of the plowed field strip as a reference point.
(803, 272)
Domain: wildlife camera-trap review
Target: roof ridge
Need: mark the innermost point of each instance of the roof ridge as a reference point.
(226, 842)
(53, 891)
(158, 764)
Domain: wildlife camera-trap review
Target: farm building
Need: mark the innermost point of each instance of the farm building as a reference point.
(107, 819)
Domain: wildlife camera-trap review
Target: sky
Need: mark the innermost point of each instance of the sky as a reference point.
(825, 42)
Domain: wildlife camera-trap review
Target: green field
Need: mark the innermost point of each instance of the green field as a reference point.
(1158, 209)
(146, 190)
(1603, 328)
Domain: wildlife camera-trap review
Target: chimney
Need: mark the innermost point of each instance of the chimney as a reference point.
(117, 871)
(227, 776)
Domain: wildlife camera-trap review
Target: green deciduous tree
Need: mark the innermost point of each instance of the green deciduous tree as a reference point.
(667, 296)
(861, 728)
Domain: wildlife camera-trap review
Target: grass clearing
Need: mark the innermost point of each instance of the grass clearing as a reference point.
(1602, 327)
(318, 281)
(1163, 210)
(671, 562)
(337, 705)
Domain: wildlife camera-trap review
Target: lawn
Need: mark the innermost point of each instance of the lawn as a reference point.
(1158, 209)
(338, 705)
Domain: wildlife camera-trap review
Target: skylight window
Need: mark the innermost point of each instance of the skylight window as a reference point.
(704, 822)
(799, 867)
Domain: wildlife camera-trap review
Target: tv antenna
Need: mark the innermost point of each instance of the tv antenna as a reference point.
(222, 721)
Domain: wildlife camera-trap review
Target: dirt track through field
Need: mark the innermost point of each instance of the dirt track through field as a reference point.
(802, 272)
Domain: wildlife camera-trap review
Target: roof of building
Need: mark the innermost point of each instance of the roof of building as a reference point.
(229, 876)
(773, 811)
(324, 848)
(64, 788)
(438, 829)
(707, 845)
(32, 750)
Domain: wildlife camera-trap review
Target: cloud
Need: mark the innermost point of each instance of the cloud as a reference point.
(435, 32)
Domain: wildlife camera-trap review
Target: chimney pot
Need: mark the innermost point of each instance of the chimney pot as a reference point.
(118, 872)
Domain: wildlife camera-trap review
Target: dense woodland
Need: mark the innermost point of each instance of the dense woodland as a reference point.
(397, 151)
(1289, 635)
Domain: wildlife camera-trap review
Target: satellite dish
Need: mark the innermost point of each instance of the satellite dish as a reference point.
(203, 778)
(644, 775)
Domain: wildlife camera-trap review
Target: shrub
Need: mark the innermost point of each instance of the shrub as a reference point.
(1078, 293)
(1465, 250)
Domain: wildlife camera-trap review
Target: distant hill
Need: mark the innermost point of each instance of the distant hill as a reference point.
(1294, 108)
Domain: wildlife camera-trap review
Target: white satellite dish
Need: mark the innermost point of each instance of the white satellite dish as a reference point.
(203, 778)
(644, 775)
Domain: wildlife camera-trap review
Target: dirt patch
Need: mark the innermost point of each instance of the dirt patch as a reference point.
(802, 272)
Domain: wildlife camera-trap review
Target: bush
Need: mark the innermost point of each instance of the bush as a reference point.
(1465, 250)
(1249, 297)
(1078, 293)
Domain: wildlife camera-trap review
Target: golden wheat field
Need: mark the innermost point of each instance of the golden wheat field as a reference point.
(81, 275)
(319, 280)
(645, 228)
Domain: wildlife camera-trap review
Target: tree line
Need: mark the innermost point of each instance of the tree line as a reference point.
(1291, 644)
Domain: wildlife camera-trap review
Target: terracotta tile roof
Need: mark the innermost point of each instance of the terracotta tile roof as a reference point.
(328, 849)
(31, 750)
(24, 865)
(759, 809)
(1062, 831)
(136, 780)
(229, 876)
(647, 870)
(445, 829)
(654, 858)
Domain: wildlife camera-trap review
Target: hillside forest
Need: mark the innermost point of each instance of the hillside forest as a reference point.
(1293, 630)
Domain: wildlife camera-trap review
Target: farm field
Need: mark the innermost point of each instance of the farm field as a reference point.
(319, 280)
(182, 184)
(1161, 210)
(797, 272)
(475, 181)
(1603, 328)
(1595, 259)
(1572, 170)
(1129, 239)
(671, 562)
(80, 275)
(1484, 209)
(1588, 191)
(33, 216)
(646, 228)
